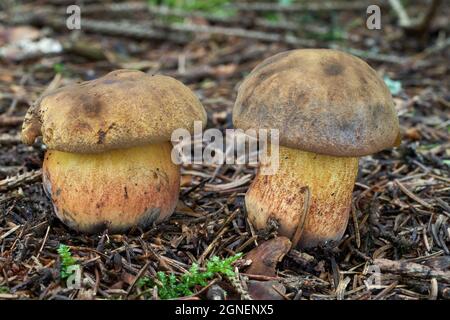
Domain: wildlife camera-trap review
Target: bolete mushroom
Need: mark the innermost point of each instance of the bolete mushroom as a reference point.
(108, 163)
(330, 109)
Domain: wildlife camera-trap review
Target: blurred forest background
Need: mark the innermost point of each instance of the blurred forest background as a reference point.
(400, 215)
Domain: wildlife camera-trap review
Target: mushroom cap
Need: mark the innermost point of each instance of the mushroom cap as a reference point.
(122, 109)
(322, 101)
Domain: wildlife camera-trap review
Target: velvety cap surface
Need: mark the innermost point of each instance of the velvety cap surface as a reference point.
(122, 109)
(323, 101)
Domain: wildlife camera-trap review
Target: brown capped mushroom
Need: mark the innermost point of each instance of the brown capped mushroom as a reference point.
(108, 163)
(330, 109)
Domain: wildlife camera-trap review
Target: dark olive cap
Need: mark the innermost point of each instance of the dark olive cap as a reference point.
(124, 108)
(322, 101)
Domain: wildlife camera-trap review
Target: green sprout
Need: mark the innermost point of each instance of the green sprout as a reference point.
(170, 286)
(4, 289)
(66, 261)
(59, 68)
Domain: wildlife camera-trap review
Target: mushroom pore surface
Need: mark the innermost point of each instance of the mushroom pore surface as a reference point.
(284, 196)
(116, 189)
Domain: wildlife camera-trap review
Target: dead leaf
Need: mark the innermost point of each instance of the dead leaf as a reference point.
(413, 134)
(183, 208)
(266, 256)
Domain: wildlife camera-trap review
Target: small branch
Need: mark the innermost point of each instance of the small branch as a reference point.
(220, 233)
(16, 181)
(442, 45)
(418, 26)
(235, 281)
(297, 7)
(412, 195)
(9, 170)
(305, 282)
(403, 17)
(8, 139)
(138, 276)
(237, 32)
(132, 7)
(122, 28)
(411, 269)
(10, 121)
(45, 16)
(373, 55)
(356, 225)
(424, 25)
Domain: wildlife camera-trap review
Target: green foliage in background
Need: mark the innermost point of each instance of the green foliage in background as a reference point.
(171, 286)
(66, 260)
(332, 34)
(335, 32)
(58, 68)
(217, 8)
(285, 2)
(4, 289)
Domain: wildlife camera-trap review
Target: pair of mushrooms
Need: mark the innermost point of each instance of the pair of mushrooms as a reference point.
(109, 163)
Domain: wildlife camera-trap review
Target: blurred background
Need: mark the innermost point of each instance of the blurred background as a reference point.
(402, 196)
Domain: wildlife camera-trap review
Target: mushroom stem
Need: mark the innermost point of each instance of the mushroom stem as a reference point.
(116, 189)
(318, 186)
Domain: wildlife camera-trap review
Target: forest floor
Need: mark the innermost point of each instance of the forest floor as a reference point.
(396, 245)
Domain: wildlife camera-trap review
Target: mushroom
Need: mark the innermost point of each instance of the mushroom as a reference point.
(330, 109)
(108, 163)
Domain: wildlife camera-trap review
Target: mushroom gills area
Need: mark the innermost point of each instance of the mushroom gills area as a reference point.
(309, 196)
(117, 190)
